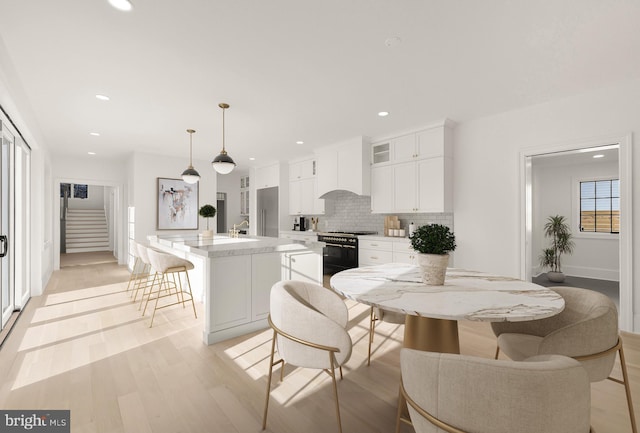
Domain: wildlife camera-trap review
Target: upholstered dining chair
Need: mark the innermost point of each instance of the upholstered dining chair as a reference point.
(309, 328)
(461, 394)
(378, 314)
(586, 330)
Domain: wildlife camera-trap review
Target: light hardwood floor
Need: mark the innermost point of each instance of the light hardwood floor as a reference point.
(83, 346)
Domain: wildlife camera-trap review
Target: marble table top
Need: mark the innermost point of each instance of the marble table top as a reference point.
(466, 295)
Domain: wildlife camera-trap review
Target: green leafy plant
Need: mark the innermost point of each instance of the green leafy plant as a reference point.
(559, 231)
(433, 239)
(207, 211)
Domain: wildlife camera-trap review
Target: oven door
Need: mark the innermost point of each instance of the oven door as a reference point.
(337, 257)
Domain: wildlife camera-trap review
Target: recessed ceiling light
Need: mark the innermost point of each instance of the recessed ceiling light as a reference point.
(299, 142)
(252, 159)
(383, 113)
(95, 134)
(91, 153)
(102, 97)
(598, 156)
(122, 5)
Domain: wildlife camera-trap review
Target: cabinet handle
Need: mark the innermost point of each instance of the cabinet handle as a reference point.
(374, 258)
(374, 245)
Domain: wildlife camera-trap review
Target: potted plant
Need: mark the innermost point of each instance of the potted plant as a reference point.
(207, 211)
(559, 231)
(433, 243)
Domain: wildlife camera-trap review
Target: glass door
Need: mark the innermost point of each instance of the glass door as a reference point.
(7, 299)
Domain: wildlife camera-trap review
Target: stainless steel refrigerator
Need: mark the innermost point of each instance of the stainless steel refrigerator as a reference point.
(267, 208)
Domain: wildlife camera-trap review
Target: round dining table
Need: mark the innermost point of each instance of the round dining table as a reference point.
(433, 312)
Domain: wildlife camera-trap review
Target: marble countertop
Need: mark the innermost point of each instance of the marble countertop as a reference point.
(222, 246)
(466, 295)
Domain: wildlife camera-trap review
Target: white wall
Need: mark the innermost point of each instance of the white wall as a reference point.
(94, 200)
(554, 193)
(144, 171)
(487, 195)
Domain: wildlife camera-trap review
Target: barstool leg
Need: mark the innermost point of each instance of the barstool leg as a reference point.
(191, 294)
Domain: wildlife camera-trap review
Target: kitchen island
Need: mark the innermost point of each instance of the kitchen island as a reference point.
(233, 276)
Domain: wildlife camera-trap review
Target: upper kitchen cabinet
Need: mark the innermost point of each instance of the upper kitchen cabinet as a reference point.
(302, 169)
(303, 196)
(344, 166)
(428, 143)
(418, 176)
(267, 176)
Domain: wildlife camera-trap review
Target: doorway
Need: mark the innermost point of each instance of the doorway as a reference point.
(221, 214)
(531, 216)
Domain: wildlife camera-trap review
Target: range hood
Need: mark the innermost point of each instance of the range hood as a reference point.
(344, 166)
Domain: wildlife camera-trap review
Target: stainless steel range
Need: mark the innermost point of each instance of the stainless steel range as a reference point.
(341, 250)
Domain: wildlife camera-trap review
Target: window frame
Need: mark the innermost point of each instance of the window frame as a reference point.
(577, 233)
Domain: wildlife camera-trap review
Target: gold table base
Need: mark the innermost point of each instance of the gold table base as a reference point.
(432, 335)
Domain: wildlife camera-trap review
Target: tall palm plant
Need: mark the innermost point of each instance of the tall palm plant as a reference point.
(559, 231)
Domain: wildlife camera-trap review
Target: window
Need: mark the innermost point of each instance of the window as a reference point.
(600, 206)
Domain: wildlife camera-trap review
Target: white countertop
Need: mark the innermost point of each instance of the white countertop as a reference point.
(465, 295)
(222, 246)
(298, 232)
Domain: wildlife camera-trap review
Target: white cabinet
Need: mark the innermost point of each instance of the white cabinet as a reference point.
(374, 252)
(344, 166)
(418, 176)
(404, 147)
(265, 272)
(302, 266)
(302, 169)
(404, 253)
(303, 189)
(382, 189)
(391, 250)
(231, 301)
(267, 176)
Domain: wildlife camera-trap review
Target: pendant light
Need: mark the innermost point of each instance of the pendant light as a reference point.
(190, 175)
(223, 163)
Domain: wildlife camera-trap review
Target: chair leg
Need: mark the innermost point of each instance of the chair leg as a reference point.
(335, 391)
(627, 389)
(190, 294)
(372, 328)
(266, 403)
(401, 405)
(497, 352)
(133, 273)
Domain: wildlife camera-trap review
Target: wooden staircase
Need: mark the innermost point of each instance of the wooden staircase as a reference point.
(86, 231)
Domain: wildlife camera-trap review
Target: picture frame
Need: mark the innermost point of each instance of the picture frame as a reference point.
(177, 203)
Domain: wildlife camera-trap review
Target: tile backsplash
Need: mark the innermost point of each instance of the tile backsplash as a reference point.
(345, 210)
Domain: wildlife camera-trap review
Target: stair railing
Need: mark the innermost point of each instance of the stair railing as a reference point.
(63, 221)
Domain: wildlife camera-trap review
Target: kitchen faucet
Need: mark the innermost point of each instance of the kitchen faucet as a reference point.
(234, 232)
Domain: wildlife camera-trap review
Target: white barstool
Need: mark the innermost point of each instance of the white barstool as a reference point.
(143, 282)
(167, 267)
(135, 274)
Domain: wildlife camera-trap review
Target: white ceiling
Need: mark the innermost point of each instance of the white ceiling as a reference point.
(299, 70)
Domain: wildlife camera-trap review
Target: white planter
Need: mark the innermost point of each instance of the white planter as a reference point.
(206, 234)
(433, 268)
(555, 277)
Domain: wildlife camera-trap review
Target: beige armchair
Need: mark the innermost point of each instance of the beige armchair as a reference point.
(309, 328)
(586, 330)
(460, 394)
(378, 314)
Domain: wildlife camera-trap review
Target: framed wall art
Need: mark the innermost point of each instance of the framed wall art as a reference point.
(177, 205)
